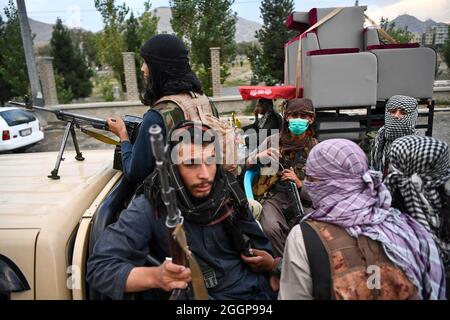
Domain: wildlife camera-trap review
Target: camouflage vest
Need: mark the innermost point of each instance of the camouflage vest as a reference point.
(185, 106)
(359, 268)
(266, 185)
(198, 108)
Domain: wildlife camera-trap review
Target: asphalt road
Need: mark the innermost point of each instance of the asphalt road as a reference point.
(54, 134)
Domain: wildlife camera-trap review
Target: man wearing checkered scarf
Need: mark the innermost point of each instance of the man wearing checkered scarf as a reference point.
(399, 121)
(419, 180)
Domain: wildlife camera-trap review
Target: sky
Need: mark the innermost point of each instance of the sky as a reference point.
(83, 14)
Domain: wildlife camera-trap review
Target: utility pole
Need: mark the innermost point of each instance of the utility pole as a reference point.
(29, 54)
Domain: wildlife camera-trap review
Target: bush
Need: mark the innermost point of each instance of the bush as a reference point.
(106, 88)
(65, 95)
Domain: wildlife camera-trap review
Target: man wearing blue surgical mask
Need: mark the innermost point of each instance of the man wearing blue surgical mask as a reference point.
(295, 142)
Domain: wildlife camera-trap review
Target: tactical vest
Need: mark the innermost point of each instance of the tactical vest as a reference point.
(185, 106)
(264, 184)
(198, 108)
(347, 268)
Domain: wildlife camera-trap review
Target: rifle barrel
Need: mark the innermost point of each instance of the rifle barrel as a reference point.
(167, 191)
(67, 116)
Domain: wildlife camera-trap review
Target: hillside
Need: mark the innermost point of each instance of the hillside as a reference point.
(413, 24)
(245, 29)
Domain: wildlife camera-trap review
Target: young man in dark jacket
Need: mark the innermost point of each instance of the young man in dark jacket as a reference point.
(213, 207)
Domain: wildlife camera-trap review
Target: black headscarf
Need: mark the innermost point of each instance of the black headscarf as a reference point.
(170, 72)
(266, 104)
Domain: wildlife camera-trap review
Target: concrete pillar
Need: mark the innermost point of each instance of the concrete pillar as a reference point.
(215, 71)
(47, 77)
(27, 41)
(129, 66)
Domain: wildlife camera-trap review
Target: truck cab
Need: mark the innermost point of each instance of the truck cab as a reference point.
(45, 224)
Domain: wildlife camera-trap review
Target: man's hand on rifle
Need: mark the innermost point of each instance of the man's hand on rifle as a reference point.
(170, 276)
(117, 126)
(289, 174)
(266, 156)
(260, 262)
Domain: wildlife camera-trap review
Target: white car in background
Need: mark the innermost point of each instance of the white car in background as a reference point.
(19, 129)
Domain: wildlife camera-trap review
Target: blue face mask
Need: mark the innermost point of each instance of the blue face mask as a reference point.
(298, 126)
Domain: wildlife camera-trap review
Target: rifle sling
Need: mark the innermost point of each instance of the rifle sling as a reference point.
(99, 136)
(198, 283)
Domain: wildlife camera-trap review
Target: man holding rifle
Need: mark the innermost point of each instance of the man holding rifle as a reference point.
(234, 255)
(167, 74)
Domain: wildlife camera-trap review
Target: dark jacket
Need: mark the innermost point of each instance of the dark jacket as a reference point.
(273, 123)
(137, 159)
(138, 232)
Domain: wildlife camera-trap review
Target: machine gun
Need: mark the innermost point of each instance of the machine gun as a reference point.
(174, 221)
(74, 120)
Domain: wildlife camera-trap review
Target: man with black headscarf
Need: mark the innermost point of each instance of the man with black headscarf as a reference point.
(270, 120)
(214, 208)
(167, 72)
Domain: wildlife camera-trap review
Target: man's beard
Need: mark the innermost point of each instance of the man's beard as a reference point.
(148, 82)
(149, 96)
(197, 200)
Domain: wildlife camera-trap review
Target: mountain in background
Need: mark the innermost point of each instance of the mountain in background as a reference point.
(414, 24)
(43, 32)
(245, 29)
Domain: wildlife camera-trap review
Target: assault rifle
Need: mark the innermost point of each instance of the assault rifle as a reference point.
(297, 200)
(75, 120)
(174, 221)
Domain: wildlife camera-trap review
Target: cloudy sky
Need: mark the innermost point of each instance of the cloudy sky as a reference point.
(82, 12)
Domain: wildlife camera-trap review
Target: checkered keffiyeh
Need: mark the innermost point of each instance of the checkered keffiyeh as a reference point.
(418, 167)
(350, 196)
(393, 128)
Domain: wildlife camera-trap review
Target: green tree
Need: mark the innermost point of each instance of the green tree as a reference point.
(243, 48)
(148, 24)
(131, 36)
(446, 51)
(13, 69)
(400, 35)
(69, 63)
(205, 24)
(110, 42)
(65, 94)
(89, 40)
(269, 59)
(185, 17)
(260, 72)
(137, 31)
